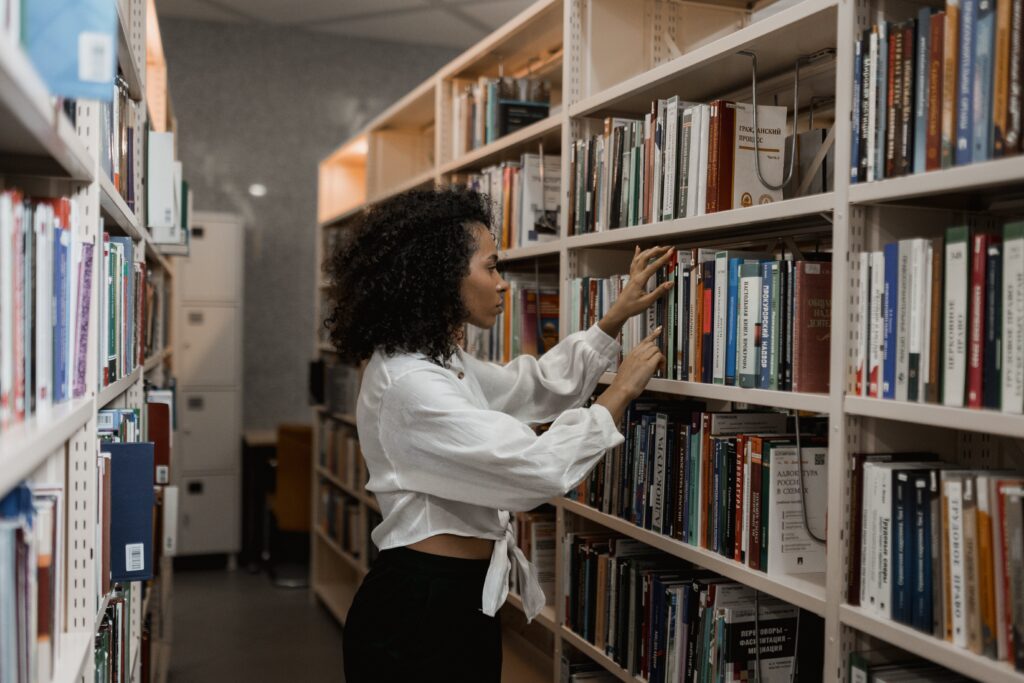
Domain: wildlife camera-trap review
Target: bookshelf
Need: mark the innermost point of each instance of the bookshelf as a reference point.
(44, 154)
(607, 58)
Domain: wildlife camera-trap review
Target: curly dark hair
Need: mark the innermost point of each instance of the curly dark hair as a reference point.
(396, 282)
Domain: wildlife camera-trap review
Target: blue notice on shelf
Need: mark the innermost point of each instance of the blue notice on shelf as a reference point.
(73, 45)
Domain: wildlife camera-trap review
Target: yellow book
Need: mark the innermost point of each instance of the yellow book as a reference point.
(986, 569)
(949, 74)
(1001, 78)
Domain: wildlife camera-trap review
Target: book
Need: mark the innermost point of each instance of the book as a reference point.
(955, 314)
(131, 513)
(748, 189)
(1012, 323)
(811, 326)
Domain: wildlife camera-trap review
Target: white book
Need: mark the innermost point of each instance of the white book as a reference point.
(696, 128)
(860, 367)
(160, 207)
(873, 104)
(540, 199)
(1013, 319)
(702, 168)
(926, 320)
(657, 181)
(718, 334)
(952, 493)
(170, 536)
(43, 220)
(876, 324)
(747, 188)
(918, 304)
(791, 550)
(670, 171)
(954, 305)
(869, 537)
(903, 301)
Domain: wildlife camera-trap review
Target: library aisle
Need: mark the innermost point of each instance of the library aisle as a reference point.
(823, 482)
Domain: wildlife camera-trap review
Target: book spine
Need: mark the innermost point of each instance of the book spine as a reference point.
(754, 542)
(714, 156)
(726, 156)
(881, 99)
(685, 140)
(992, 370)
(893, 99)
(901, 554)
(858, 382)
(933, 142)
(906, 124)
(721, 288)
(953, 494)
(890, 308)
(950, 73)
(903, 304)
(777, 332)
(955, 310)
(965, 83)
(870, 101)
(1001, 77)
(918, 281)
(732, 298)
(970, 548)
(986, 569)
(1015, 97)
(1012, 391)
(858, 89)
(921, 608)
(939, 568)
(749, 326)
(764, 355)
(921, 82)
(976, 341)
(876, 325)
(933, 382)
(854, 570)
(981, 89)
(864, 113)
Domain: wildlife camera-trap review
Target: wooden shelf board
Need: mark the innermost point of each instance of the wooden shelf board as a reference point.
(340, 417)
(571, 637)
(966, 419)
(329, 476)
(806, 591)
(416, 109)
(714, 69)
(25, 446)
(349, 559)
(961, 180)
(511, 146)
(545, 618)
(113, 391)
(74, 649)
(410, 184)
(789, 212)
(790, 400)
(927, 646)
(532, 251)
(36, 138)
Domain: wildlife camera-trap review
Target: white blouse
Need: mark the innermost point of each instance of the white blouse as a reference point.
(451, 451)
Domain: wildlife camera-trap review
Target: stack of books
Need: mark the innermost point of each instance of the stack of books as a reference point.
(340, 518)
(942, 320)
(535, 536)
(489, 108)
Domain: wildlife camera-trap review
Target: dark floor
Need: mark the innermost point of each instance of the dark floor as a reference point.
(236, 626)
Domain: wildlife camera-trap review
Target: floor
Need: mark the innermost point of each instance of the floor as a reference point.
(236, 626)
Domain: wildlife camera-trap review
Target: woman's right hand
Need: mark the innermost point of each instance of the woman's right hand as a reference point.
(633, 374)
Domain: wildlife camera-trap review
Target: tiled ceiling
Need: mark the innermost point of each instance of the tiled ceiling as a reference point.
(448, 23)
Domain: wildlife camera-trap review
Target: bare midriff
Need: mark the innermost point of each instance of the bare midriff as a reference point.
(450, 545)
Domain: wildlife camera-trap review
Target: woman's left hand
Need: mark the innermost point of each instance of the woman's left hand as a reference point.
(635, 298)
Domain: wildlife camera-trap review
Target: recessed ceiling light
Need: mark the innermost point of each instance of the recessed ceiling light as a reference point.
(257, 190)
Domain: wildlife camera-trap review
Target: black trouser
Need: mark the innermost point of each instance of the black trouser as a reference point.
(417, 617)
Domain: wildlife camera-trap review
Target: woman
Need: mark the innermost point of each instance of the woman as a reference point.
(447, 438)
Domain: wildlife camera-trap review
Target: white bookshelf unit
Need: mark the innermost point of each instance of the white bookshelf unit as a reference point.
(42, 153)
(608, 58)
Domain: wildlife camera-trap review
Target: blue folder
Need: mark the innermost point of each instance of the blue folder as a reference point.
(131, 510)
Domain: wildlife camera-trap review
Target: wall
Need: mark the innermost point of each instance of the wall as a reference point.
(262, 105)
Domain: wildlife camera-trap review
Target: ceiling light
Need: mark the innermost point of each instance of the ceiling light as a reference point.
(257, 190)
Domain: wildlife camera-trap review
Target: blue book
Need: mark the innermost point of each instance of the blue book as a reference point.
(640, 502)
(858, 85)
(891, 301)
(881, 99)
(73, 46)
(61, 294)
(731, 311)
(131, 510)
(921, 593)
(716, 482)
(965, 83)
(764, 378)
(902, 552)
(984, 47)
(693, 486)
(923, 47)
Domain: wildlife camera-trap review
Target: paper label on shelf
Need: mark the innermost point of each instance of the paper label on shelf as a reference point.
(95, 57)
(135, 557)
(162, 474)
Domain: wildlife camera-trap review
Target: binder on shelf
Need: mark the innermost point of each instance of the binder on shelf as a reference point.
(159, 416)
(170, 518)
(160, 204)
(131, 515)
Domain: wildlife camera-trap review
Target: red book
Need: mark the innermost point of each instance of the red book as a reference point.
(714, 155)
(892, 102)
(976, 315)
(933, 148)
(812, 324)
(737, 551)
(754, 545)
(159, 418)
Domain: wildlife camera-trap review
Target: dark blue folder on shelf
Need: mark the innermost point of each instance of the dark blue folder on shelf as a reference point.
(131, 510)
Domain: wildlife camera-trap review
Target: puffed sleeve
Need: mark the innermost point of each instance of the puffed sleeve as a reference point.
(441, 444)
(537, 390)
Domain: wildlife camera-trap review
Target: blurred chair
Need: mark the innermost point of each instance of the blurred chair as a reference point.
(290, 506)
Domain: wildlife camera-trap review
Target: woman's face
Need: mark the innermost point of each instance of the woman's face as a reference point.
(483, 289)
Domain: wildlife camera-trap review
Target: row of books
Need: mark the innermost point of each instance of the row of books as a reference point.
(681, 159)
(32, 574)
(663, 620)
(528, 325)
(340, 518)
(535, 536)
(939, 548)
(117, 141)
(124, 304)
(733, 317)
(886, 665)
(489, 108)
(938, 90)
(112, 640)
(45, 294)
(942, 320)
(732, 483)
(339, 452)
(525, 200)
